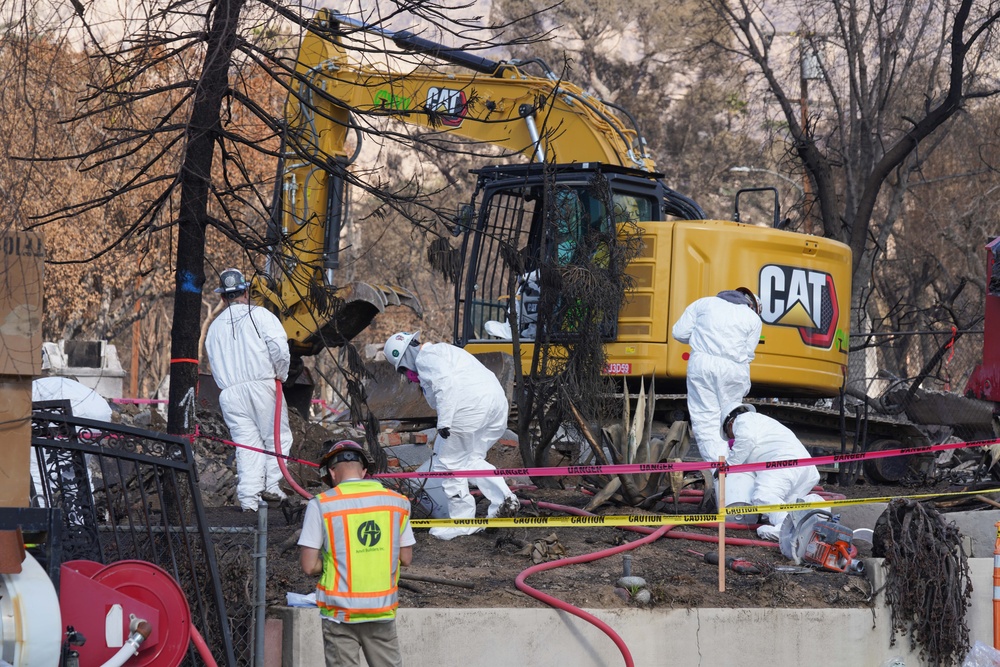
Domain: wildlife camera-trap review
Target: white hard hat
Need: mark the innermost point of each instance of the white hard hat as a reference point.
(734, 411)
(231, 280)
(396, 346)
(754, 300)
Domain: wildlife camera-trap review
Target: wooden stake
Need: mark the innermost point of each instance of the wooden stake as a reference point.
(722, 524)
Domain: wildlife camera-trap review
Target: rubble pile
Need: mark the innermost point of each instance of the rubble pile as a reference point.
(216, 459)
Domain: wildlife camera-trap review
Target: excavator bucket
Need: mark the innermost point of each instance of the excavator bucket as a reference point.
(325, 317)
(360, 302)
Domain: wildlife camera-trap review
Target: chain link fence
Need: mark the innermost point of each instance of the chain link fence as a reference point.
(235, 551)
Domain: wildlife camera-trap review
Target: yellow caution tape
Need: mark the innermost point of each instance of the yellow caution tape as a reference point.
(615, 521)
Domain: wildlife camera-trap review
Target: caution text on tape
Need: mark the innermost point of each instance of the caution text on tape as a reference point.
(684, 466)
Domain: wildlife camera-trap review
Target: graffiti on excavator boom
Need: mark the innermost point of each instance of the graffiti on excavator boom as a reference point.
(387, 100)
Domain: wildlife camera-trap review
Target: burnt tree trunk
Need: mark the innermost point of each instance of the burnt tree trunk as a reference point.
(195, 178)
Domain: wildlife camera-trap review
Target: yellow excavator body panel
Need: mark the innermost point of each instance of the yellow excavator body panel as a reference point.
(804, 284)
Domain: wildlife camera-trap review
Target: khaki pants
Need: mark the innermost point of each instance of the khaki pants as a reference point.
(343, 643)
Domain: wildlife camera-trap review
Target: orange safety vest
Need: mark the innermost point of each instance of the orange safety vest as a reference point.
(364, 522)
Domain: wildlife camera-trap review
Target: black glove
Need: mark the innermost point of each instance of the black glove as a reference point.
(444, 432)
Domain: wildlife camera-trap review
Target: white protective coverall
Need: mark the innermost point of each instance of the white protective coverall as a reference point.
(470, 402)
(84, 402)
(248, 350)
(758, 438)
(722, 336)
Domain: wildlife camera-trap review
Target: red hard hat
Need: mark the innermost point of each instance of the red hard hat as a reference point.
(340, 451)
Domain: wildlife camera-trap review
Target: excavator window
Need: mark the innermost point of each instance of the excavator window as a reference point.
(573, 226)
(633, 208)
(504, 225)
(579, 213)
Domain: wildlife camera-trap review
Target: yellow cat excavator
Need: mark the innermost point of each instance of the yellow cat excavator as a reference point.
(554, 137)
(803, 281)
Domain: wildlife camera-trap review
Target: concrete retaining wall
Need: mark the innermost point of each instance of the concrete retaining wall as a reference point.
(688, 637)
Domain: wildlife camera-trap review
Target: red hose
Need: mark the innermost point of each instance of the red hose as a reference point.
(277, 443)
(565, 606)
(652, 534)
(202, 646)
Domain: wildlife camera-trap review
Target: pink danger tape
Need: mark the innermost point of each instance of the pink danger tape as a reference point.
(640, 468)
(636, 468)
(252, 449)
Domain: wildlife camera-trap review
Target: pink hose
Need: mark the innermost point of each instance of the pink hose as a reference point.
(652, 534)
(202, 646)
(565, 606)
(277, 443)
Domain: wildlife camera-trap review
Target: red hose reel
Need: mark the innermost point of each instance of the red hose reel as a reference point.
(99, 601)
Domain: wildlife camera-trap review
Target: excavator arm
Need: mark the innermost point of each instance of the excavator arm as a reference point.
(540, 117)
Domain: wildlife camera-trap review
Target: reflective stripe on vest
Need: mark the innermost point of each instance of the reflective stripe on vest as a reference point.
(364, 522)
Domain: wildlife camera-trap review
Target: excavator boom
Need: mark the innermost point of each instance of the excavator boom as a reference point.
(496, 103)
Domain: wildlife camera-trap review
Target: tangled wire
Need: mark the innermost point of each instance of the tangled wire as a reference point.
(927, 580)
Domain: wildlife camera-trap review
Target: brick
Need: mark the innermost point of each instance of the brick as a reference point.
(390, 439)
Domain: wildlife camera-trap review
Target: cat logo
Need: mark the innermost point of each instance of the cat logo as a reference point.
(807, 300)
(448, 105)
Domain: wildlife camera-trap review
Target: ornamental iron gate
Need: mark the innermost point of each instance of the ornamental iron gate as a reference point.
(128, 494)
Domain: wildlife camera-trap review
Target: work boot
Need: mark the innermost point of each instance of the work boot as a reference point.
(769, 533)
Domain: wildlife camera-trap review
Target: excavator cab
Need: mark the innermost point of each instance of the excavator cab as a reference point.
(803, 280)
(513, 215)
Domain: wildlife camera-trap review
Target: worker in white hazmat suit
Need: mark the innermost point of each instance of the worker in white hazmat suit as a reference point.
(757, 438)
(84, 402)
(723, 332)
(471, 416)
(248, 350)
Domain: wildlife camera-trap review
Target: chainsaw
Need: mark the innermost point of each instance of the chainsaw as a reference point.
(830, 548)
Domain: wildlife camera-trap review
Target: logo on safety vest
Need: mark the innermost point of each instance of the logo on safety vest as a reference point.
(369, 533)
(449, 104)
(802, 298)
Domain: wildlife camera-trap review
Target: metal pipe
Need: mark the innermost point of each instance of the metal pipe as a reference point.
(261, 606)
(139, 634)
(408, 41)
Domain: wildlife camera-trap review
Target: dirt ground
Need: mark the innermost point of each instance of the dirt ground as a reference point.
(484, 566)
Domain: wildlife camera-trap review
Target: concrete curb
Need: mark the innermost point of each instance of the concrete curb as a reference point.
(690, 637)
